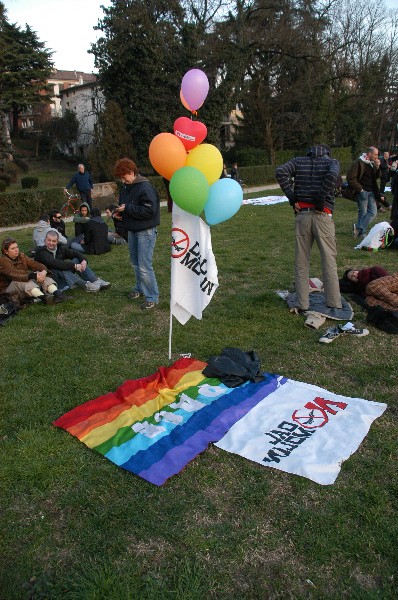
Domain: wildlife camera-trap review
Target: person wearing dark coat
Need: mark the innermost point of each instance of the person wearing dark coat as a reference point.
(119, 235)
(84, 184)
(96, 234)
(139, 206)
(68, 267)
(81, 218)
(57, 222)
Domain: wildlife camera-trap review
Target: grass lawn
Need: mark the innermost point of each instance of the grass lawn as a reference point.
(75, 526)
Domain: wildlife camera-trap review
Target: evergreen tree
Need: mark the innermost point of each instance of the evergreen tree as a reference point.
(25, 66)
(138, 62)
(111, 142)
(61, 131)
(147, 48)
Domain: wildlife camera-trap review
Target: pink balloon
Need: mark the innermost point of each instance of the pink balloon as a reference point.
(194, 88)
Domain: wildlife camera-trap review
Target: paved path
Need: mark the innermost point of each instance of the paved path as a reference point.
(249, 190)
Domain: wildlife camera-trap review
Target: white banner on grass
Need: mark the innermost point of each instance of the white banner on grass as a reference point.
(194, 276)
(303, 429)
(266, 200)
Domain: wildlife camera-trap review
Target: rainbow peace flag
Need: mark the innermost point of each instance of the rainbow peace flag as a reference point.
(156, 425)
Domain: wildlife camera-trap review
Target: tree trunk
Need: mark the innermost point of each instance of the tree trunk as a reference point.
(15, 116)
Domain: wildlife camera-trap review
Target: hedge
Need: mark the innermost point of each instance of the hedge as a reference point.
(256, 156)
(27, 205)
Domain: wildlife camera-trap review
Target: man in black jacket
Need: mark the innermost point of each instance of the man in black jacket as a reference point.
(95, 240)
(68, 267)
(309, 183)
(139, 207)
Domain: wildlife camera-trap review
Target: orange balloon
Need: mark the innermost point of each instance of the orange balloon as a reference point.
(184, 102)
(167, 154)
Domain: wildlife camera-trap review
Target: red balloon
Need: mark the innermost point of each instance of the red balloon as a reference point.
(191, 133)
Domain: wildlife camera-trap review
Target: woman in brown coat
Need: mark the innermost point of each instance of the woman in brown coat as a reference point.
(21, 276)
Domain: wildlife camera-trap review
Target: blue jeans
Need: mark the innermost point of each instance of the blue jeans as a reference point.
(72, 278)
(141, 247)
(367, 210)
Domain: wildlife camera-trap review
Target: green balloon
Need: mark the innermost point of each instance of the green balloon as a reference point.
(189, 189)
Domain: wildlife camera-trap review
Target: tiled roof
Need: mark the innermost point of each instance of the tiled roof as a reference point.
(73, 76)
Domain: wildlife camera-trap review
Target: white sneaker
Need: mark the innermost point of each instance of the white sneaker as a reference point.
(331, 334)
(103, 284)
(352, 330)
(92, 286)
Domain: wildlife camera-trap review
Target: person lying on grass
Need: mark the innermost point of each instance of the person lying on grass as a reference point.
(355, 281)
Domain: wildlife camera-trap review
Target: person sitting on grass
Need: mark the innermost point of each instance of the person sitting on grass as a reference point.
(39, 232)
(81, 218)
(95, 239)
(119, 235)
(69, 267)
(23, 278)
(57, 222)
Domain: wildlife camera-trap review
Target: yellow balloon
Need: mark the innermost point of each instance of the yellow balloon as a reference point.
(207, 159)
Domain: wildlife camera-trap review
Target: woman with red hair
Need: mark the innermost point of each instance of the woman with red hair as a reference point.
(139, 207)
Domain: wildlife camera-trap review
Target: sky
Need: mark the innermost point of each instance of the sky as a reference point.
(66, 26)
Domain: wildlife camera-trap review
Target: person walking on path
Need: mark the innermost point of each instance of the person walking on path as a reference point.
(309, 183)
(139, 206)
(362, 177)
(84, 184)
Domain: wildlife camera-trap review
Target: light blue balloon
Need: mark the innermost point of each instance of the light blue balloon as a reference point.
(224, 200)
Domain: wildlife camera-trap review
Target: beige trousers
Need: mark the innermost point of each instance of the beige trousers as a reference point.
(19, 289)
(319, 227)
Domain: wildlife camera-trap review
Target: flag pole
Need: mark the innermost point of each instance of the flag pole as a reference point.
(170, 332)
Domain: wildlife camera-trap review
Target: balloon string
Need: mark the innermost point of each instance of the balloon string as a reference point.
(194, 113)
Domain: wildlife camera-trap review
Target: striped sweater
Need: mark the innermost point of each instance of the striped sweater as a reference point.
(310, 179)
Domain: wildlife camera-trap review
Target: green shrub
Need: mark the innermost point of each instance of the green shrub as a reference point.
(5, 177)
(26, 206)
(157, 182)
(29, 182)
(12, 172)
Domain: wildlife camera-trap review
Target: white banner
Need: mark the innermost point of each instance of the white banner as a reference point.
(266, 200)
(303, 429)
(194, 276)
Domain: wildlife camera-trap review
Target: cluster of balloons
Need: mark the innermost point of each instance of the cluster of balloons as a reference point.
(192, 167)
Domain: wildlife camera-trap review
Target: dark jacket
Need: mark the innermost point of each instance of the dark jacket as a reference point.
(96, 236)
(80, 221)
(311, 179)
(119, 229)
(83, 182)
(20, 269)
(142, 210)
(58, 225)
(356, 174)
(62, 261)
